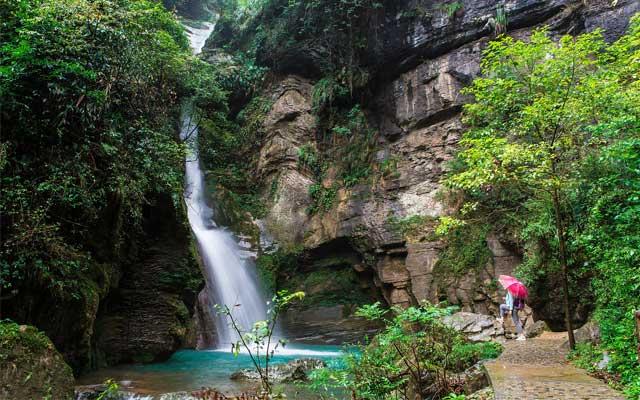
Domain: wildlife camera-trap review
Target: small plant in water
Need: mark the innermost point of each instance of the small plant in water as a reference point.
(111, 391)
(258, 341)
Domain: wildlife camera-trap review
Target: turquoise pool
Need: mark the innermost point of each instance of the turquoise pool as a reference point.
(189, 370)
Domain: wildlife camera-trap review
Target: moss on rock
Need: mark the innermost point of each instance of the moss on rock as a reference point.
(30, 366)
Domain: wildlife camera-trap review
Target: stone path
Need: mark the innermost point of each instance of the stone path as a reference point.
(536, 369)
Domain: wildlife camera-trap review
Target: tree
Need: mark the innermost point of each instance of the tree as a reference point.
(91, 91)
(258, 341)
(531, 126)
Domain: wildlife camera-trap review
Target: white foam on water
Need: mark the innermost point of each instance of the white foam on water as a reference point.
(286, 351)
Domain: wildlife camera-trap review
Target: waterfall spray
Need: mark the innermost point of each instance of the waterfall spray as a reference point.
(231, 278)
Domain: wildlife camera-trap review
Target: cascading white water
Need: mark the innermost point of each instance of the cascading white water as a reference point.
(231, 279)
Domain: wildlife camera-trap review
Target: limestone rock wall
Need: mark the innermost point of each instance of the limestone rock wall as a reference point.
(421, 64)
(136, 305)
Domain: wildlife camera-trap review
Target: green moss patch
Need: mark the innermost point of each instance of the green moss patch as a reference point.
(30, 366)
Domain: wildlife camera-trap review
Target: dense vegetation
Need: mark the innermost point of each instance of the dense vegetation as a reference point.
(551, 159)
(415, 356)
(91, 98)
(90, 92)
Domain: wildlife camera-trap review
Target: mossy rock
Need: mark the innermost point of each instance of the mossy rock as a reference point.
(30, 366)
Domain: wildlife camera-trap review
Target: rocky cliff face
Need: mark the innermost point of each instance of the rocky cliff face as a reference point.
(135, 305)
(421, 57)
(146, 317)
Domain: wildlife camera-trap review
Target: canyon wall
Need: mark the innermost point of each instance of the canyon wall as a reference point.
(421, 57)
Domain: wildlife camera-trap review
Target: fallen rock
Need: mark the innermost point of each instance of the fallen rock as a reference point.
(30, 366)
(179, 396)
(293, 371)
(483, 394)
(93, 392)
(474, 379)
(477, 327)
(587, 333)
(535, 329)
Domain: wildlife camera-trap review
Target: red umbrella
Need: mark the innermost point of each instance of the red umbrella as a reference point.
(514, 286)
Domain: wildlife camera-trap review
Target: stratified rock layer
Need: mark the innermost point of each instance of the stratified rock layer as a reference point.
(419, 64)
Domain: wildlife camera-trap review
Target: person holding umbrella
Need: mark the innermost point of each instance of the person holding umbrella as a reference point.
(513, 302)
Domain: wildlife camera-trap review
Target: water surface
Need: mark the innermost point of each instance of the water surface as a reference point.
(189, 370)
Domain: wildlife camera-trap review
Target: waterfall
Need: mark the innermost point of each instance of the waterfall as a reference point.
(231, 278)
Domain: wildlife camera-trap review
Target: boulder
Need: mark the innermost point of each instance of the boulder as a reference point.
(293, 371)
(588, 333)
(474, 379)
(93, 392)
(483, 394)
(477, 327)
(30, 366)
(535, 329)
(179, 396)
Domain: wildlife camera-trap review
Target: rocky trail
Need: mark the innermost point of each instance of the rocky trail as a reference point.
(537, 369)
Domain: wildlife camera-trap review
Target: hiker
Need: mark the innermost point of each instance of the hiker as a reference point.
(512, 305)
(513, 302)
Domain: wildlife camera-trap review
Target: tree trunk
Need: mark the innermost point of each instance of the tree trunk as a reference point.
(562, 247)
(638, 331)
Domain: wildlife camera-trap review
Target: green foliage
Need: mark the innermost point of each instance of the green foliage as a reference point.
(551, 158)
(271, 266)
(309, 158)
(501, 20)
(12, 336)
(326, 92)
(349, 145)
(453, 396)
(225, 146)
(334, 282)
(111, 391)
(465, 250)
(90, 93)
(322, 198)
(413, 227)
(451, 8)
(414, 355)
(610, 235)
(330, 287)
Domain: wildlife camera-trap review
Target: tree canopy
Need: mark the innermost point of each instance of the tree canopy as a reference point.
(551, 159)
(90, 95)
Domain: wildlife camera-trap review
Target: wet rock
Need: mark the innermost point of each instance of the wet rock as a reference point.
(474, 379)
(150, 311)
(587, 333)
(30, 366)
(179, 396)
(482, 394)
(534, 329)
(477, 327)
(327, 325)
(293, 371)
